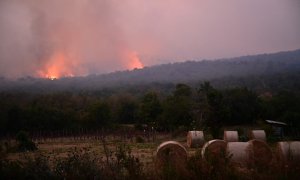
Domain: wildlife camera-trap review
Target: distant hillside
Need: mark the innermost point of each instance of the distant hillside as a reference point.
(212, 69)
(248, 69)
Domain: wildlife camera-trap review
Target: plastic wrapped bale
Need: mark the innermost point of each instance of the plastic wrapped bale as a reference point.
(214, 149)
(261, 153)
(231, 136)
(195, 139)
(289, 152)
(171, 154)
(239, 152)
(258, 134)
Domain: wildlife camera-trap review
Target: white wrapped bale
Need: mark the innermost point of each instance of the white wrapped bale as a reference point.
(239, 152)
(258, 134)
(261, 153)
(195, 139)
(214, 149)
(231, 136)
(289, 152)
(171, 153)
(254, 152)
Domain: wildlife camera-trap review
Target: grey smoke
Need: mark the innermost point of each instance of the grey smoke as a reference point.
(95, 34)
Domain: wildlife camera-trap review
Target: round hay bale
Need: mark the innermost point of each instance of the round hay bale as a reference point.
(195, 139)
(213, 149)
(258, 134)
(289, 152)
(171, 153)
(231, 136)
(239, 152)
(261, 153)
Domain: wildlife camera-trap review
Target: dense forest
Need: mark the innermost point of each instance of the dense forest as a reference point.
(192, 94)
(185, 107)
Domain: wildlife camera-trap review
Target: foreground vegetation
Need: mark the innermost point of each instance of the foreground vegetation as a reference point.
(118, 160)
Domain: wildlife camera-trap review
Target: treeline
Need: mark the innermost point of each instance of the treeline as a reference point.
(187, 107)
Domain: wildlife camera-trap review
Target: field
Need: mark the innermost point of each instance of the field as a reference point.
(78, 153)
(61, 147)
(54, 150)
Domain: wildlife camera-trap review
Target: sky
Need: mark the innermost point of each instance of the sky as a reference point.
(57, 38)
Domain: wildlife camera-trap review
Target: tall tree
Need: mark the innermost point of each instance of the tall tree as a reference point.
(99, 115)
(178, 107)
(150, 108)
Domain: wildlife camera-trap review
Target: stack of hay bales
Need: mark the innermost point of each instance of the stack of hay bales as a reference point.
(254, 152)
(195, 139)
(214, 149)
(258, 134)
(289, 152)
(171, 154)
(231, 136)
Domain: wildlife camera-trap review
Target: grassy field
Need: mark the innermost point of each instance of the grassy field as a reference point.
(57, 149)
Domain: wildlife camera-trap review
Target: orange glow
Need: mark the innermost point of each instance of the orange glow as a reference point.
(134, 61)
(58, 66)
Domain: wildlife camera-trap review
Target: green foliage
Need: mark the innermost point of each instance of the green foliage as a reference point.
(38, 168)
(234, 106)
(178, 108)
(99, 115)
(28, 168)
(24, 143)
(243, 135)
(166, 110)
(126, 110)
(150, 108)
(242, 106)
(182, 90)
(78, 165)
(139, 139)
(126, 160)
(284, 107)
(216, 131)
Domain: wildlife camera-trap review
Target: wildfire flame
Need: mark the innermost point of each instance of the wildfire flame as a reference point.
(134, 61)
(58, 66)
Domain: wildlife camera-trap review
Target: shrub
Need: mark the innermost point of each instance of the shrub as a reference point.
(24, 143)
(139, 139)
(29, 168)
(79, 164)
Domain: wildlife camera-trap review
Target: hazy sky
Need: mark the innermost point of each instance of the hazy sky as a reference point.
(78, 37)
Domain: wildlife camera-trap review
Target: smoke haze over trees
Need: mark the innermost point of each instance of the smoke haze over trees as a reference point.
(260, 72)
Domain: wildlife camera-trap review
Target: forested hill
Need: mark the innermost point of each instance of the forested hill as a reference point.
(213, 69)
(222, 72)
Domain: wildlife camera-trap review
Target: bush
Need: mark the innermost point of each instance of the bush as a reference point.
(216, 132)
(24, 143)
(139, 139)
(29, 168)
(79, 165)
(132, 166)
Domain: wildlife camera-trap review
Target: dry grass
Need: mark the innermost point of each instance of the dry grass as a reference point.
(196, 168)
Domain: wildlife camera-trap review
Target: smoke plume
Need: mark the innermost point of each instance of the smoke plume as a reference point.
(59, 38)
